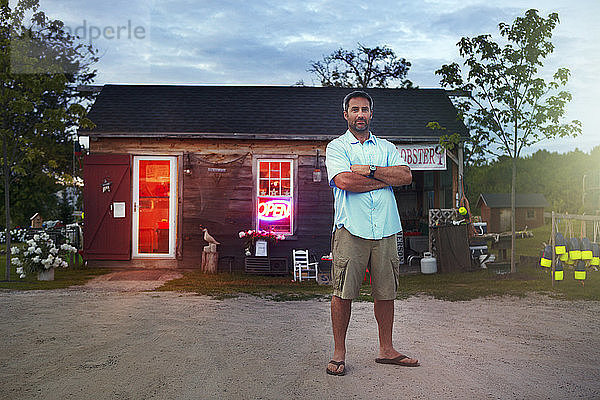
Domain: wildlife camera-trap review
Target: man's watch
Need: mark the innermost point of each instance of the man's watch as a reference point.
(372, 168)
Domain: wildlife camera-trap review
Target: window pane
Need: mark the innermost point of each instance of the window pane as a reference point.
(154, 178)
(275, 170)
(285, 187)
(274, 188)
(263, 169)
(263, 189)
(285, 170)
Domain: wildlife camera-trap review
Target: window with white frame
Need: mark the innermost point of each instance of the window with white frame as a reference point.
(275, 196)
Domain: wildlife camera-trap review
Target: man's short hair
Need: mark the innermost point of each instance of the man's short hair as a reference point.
(356, 93)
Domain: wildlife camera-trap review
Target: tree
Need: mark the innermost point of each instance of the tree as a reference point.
(41, 65)
(31, 193)
(559, 176)
(364, 67)
(511, 104)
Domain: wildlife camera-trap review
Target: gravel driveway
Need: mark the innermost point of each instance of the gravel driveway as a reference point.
(114, 343)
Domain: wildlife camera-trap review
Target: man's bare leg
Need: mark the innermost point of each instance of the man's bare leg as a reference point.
(384, 314)
(340, 318)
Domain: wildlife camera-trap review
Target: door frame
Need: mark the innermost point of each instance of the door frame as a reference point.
(173, 202)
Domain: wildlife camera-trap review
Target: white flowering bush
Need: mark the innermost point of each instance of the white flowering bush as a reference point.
(39, 254)
(16, 235)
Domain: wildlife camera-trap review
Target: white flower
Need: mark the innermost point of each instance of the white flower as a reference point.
(242, 234)
(36, 237)
(16, 261)
(48, 261)
(14, 250)
(20, 270)
(64, 264)
(57, 261)
(38, 250)
(68, 247)
(22, 276)
(36, 259)
(53, 250)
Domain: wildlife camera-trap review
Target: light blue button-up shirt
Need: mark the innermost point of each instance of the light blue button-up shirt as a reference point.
(369, 215)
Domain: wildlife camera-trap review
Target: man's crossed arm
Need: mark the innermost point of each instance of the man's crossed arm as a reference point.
(359, 182)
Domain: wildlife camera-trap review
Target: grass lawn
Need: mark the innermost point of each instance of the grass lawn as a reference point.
(533, 246)
(452, 287)
(230, 285)
(63, 278)
(529, 279)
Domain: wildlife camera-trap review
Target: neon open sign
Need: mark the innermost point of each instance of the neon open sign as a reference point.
(274, 210)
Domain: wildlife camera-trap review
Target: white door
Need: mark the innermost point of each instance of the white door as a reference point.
(154, 206)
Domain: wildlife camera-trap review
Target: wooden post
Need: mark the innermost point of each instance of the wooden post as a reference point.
(552, 244)
(210, 259)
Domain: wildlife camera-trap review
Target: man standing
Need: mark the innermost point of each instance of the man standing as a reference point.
(362, 170)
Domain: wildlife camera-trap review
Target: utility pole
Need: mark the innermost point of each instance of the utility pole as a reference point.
(583, 193)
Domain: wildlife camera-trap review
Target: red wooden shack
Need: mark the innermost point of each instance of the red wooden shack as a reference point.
(495, 210)
(166, 160)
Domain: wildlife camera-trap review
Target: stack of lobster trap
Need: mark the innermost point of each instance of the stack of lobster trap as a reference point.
(569, 252)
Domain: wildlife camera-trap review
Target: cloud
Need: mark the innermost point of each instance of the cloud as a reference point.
(274, 41)
(473, 20)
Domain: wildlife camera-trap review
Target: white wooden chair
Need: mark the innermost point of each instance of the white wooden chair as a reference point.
(303, 268)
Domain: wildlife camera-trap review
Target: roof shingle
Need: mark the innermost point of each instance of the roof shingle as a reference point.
(130, 110)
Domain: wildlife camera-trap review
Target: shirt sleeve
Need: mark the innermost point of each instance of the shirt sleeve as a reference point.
(394, 157)
(336, 161)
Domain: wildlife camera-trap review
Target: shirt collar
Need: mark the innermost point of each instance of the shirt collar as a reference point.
(353, 140)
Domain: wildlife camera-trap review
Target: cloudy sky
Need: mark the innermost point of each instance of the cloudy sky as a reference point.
(271, 42)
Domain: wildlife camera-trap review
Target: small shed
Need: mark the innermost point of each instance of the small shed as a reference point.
(36, 221)
(495, 210)
(165, 160)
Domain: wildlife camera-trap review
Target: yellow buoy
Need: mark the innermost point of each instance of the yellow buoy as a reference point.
(595, 255)
(580, 270)
(574, 249)
(546, 260)
(586, 249)
(558, 271)
(560, 246)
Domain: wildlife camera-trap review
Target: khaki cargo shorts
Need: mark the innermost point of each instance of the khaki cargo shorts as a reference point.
(351, 257)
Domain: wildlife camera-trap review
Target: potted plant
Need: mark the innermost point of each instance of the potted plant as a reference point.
(251, 237)
(41, 256)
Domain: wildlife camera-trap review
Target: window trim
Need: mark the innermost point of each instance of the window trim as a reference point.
(293, 159)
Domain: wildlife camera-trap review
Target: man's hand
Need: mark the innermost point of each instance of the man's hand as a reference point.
(363, 170)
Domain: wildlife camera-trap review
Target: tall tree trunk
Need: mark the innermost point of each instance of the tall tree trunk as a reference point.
(513, 264)
(6, 203)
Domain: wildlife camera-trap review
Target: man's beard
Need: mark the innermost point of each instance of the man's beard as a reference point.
(359, 129)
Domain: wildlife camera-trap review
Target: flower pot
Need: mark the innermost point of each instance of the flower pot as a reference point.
(46, 275)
